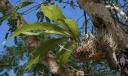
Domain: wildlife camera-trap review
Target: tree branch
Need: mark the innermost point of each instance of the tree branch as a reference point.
(108, 32)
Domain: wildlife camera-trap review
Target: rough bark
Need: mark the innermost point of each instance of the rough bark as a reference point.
(108, 32)
(32, 42)
(98, 12)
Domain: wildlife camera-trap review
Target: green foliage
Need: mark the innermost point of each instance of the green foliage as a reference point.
(65, 52)
(40, 70)
(31, 62)
(10, 59)
(71, 33)
(46, 27)
(48, 45)
(71, 24)
(22, 4)
(53, 15)
(19, 6)
(68, 24)
(45, 47)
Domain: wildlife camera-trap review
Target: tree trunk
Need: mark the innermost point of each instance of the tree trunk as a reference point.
(108, 32)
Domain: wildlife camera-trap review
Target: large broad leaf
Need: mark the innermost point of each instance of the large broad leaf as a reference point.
(73, 28)
(53, 13)
(47, 27)
(66, 52)
(22, 4)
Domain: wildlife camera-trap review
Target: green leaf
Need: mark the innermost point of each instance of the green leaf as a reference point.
(38, 33)
(73, 28)
(31, 33)
(48, 45)
(46, 27)
(31, 62)
(53, 13)
(66, 52)
(22, 4)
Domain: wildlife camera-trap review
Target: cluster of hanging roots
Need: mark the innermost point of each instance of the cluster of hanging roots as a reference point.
(88, 49)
